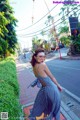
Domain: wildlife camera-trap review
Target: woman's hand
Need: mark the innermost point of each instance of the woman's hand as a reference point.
(59, 87)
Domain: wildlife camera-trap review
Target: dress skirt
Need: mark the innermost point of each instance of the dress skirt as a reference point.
(47, 101)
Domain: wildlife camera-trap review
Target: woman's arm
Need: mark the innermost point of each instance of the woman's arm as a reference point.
(46, 69)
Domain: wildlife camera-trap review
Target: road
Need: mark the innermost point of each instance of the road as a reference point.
(67, 72)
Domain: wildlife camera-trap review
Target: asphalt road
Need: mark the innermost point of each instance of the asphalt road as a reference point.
(67, 72)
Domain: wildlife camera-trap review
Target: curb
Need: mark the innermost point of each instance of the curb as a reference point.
(70, 58)
(69, 115)
(72, 95)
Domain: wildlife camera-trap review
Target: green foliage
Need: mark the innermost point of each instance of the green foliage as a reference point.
(76, 43)
(9, 89)
(3, 23)
(64, 29)
(68, 10)
(43, 33)
(8, 101)
(7, 27)
(10, 77)
(35, 43)
(3, 47)
(65, 40)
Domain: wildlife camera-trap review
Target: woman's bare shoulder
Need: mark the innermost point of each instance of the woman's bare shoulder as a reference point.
(42, 65)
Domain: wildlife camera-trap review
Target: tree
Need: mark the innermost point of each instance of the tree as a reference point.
(3, 23)
(34, 43)
(3, 29)
(64, 29)
(49, 22)
(7, 29)
(68, 10)
(65, 40)
(43, 33)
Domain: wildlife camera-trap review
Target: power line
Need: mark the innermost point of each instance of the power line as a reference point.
(47, 6)
(47, 26)
(39, 19)
(42, 28)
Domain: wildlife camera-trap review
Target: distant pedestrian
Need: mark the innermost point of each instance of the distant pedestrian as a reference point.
(47, 102)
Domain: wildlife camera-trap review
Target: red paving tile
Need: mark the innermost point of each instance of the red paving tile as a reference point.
(27, 112)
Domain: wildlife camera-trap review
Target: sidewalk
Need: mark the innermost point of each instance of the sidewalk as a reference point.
(27, 95)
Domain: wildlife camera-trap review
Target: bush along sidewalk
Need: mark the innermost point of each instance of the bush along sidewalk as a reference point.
(9, 90)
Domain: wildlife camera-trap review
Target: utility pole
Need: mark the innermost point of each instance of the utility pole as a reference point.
(33, 12)
(54, 30)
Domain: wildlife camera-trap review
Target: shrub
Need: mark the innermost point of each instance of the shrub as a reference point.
(9, 89)
(8, 101)
(8, 74)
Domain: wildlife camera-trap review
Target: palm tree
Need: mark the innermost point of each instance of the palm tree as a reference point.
(68, 10)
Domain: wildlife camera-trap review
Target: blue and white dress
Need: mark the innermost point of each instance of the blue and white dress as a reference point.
(47, 101)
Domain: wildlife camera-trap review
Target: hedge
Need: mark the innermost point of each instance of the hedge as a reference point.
(9, 89)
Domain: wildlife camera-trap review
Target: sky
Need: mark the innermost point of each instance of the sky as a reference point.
(24, 10)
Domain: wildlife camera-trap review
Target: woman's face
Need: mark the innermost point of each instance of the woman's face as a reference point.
(40, 57)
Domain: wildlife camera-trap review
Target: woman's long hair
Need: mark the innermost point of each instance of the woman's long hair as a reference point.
(33, 60)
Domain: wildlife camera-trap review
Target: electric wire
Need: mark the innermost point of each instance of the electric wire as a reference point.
(49, 28)
(39, 19)
(43, 28)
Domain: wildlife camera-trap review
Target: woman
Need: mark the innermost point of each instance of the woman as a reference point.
(47, 102)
